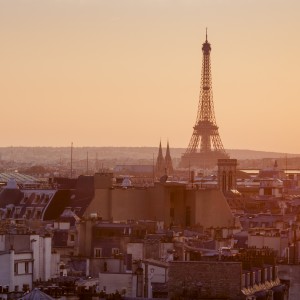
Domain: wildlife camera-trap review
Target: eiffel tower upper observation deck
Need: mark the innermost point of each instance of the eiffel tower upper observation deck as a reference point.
(205, 146)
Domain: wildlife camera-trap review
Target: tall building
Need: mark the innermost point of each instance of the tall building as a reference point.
(227, 174)
(205, 146)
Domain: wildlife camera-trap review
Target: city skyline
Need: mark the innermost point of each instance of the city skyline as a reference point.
(127, 73)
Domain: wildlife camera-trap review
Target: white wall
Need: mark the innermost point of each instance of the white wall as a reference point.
(7, 274)
(47, 258)
(55, 260)
(278, 243)
(41, 247)
(22, 277)
(62, 225)
(2, 242)
(5, 269)
(155, 274)
(35, 247)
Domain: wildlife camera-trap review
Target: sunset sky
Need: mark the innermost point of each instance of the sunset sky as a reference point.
(127, 72)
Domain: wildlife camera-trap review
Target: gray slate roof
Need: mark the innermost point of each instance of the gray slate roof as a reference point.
(36, 294)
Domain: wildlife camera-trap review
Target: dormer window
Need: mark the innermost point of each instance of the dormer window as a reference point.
(38, 213)
(25, 199)
(28, 212)
(36, 199)
(45, 199)
(32, 197)
(17, 212)
(8, 213)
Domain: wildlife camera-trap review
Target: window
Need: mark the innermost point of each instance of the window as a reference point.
(230, 180)
(24, 200)
(28, 212)
(224, 183)
(115, 251)
(72, 237)
(36, 199)
(26, 267)
(32, 197)
(45, 199)
(16, 288)
(16, 268)
(8, 213)
(97, 252)
(38, 213)
(17, 212)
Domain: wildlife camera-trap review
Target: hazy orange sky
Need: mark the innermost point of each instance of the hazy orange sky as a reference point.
(127, 72)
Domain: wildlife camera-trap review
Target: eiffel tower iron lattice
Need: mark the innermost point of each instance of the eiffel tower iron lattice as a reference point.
(205, 146)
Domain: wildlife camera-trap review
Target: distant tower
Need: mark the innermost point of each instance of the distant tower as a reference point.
(96, 167)
(205, 146)
(160, 162)
(168, 161)
(227, 174)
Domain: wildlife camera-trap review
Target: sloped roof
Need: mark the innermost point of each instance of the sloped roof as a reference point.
(18, 177)
(36, 294)
(10, 196)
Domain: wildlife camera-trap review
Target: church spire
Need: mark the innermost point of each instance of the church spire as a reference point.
(160, 161)
(168, 161)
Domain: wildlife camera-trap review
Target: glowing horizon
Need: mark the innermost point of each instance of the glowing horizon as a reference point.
(127, 73)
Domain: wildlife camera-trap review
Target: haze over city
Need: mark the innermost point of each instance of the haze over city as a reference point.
(149, 150)
(127, 73)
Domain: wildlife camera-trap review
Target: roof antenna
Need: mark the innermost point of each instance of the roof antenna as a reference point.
(206, 35)
(72, 160)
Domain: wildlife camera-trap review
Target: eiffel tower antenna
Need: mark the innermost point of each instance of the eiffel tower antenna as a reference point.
(205, 146)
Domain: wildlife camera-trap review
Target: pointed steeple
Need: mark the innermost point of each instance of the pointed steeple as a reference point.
(168, 160)
(160, 161)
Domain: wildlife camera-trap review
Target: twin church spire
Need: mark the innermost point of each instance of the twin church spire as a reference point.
(164, 165)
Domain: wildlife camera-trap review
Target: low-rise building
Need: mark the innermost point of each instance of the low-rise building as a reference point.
(24, 258)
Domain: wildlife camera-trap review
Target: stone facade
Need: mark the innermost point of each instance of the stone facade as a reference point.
(291, 275)
(205, 279)
(227, 174)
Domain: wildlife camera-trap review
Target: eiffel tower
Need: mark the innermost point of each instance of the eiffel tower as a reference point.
(205, 146)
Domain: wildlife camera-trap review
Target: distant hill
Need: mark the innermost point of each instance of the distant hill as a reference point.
(120, 154)
(253, 154)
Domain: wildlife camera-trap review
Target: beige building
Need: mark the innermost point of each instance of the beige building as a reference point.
(172, 203)
(272, 238)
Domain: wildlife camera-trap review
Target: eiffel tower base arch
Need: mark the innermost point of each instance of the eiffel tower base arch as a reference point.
(202, 160)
